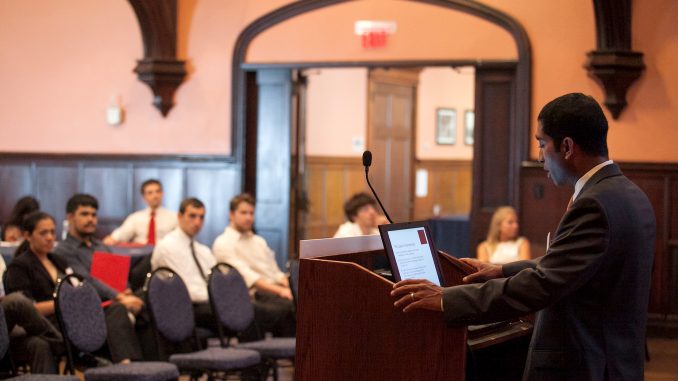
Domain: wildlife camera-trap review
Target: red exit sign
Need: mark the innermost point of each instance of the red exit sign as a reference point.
(374, 34)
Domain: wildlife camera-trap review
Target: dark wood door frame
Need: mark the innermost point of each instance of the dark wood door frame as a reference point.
(519, 126)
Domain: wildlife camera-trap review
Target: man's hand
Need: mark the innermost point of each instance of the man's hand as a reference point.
(415, 294)
(484, 271)
(109, 241)
(285, 293)
(131, 302)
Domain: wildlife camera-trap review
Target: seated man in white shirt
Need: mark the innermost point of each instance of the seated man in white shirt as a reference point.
(363, 218)
(191, 260)
(251, 256)
(149, 225)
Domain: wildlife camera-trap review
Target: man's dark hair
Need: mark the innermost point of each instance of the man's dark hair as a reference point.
(81, 199)
(192, 201)
(357, 201)
(579, 117)
(237, 200)
(150, 182)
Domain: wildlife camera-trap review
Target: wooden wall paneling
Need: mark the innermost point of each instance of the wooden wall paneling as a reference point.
(172, 180)
(16, 181)
(673, 209)
(214, 187)
(542, 205)
(654, 187)
(541, 211)
(273, 159)
(111, 185)
(449, 186)
(55, 185)
(331, 181)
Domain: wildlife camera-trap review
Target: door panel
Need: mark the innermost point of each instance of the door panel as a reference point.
(391, 113)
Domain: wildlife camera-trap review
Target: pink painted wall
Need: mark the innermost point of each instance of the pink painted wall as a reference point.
(336, 111)
(448, 88)
(63, 60)
(423, 32)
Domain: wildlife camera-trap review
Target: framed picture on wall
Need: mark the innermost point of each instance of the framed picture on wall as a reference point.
(446, 126)
(469, 122)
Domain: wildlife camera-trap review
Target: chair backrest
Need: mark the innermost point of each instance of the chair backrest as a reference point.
(80, 315)
(170, 305)
(4, 335)
(230, 298)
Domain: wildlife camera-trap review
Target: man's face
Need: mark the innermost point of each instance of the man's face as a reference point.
(191, 220)
(553, 160)
(366, 216)
(242, 218)
(83, 221)
(153, 195)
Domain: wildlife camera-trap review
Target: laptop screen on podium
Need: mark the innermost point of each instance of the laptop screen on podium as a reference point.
(410, 251)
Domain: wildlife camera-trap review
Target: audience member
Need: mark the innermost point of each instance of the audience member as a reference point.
(77, 250)
(33, 338)
(146, 226)
(191, 260)
(503, 244)
(251, 256)
(362, 215)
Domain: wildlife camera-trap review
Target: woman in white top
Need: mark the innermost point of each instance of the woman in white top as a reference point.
(503, 244)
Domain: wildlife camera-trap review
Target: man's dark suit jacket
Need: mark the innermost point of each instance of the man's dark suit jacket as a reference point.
(592, 287)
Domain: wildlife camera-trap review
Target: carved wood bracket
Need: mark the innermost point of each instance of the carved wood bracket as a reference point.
(613, 63)
(159, 69)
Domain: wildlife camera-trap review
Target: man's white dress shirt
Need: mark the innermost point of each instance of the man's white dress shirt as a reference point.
(174, 251)
(249, 254)
(351, 229)
(135, 227)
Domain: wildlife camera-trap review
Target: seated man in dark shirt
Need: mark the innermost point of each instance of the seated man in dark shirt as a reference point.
(77, 249)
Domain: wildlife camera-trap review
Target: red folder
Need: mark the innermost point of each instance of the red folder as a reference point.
(111, 269)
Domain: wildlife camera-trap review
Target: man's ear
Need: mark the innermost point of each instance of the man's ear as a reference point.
(567, 147)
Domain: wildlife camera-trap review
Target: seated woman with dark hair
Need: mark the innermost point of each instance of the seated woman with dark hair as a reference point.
(23, 286)
(35, 271)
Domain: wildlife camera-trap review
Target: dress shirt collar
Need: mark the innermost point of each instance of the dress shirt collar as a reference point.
(579, 185)
(237, 234)
(183, 237)
(77, 242)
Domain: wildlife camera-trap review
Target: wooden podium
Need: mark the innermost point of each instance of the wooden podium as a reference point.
(348, 329)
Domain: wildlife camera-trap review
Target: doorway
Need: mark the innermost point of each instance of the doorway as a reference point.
(502, 107)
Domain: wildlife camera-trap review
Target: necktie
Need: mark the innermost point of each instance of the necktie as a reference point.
(197, 263)
(151, 230)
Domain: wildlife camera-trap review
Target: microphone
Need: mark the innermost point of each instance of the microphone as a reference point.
(367, 161)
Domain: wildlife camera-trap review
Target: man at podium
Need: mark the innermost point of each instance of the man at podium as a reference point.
(592, 286)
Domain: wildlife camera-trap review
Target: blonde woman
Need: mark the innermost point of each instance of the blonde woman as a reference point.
(503, 244)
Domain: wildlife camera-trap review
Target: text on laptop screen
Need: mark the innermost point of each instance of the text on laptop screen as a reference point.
(413, 254)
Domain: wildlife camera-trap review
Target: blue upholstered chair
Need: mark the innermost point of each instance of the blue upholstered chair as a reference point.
(83, 327)
(233, 309)
(172, 312)
(4, 346)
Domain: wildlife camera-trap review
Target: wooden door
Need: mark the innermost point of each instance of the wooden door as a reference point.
(391, 115)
